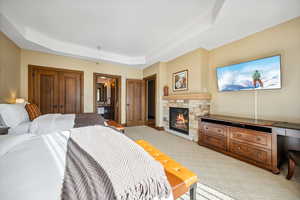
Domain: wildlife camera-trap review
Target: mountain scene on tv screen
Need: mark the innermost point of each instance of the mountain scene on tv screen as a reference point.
(252, 75)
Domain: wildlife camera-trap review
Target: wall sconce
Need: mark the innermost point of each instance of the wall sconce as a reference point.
(20, 100)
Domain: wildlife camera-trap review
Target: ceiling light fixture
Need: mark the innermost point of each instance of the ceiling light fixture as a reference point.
(99, 49)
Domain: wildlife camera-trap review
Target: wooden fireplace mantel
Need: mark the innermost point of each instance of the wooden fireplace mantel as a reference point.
(188, 96)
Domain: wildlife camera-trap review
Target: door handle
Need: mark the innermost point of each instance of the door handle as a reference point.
(54, 106)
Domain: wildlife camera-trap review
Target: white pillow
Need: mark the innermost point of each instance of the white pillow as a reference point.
(13, 114)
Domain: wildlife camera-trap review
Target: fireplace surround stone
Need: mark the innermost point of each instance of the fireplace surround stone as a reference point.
(199, 107)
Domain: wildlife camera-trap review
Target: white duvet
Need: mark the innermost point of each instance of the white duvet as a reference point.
(44, 124)
(50, 123)
(32, 167)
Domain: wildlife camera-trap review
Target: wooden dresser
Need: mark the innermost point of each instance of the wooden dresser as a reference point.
(246, 139)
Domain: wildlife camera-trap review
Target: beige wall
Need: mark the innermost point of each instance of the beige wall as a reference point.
(196, 62)
(161, 80)
(283, 104)
(9, 70)
(50, 60)
(280, 104)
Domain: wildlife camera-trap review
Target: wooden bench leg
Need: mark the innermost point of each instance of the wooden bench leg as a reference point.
(193, 191)
(291, 168)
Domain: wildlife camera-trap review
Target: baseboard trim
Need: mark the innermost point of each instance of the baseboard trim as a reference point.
(160, 128)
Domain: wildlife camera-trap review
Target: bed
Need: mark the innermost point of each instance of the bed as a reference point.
(34, 167)
(16, 117)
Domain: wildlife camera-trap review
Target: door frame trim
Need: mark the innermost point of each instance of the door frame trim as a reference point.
(31, 68)
(151, 77)
(119, 79)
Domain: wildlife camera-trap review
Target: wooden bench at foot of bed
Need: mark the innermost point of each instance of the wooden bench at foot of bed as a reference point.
(115, 125)
(180, 178)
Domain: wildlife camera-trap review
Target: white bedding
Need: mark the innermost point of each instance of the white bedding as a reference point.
(29, 172)
(22, 128)
(50, 123)
(44, 124)
(31, 168)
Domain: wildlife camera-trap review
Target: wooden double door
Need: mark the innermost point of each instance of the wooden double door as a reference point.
(55, 90)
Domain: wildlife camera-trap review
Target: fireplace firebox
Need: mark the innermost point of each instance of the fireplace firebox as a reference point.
(179, 119)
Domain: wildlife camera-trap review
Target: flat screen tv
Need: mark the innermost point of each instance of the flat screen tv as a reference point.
(257, 74)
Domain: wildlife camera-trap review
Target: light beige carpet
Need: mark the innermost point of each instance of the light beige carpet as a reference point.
(230, 176)
(205, 192)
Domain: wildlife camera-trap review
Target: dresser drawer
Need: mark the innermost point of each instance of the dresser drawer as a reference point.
(256, 138)
(213, 141)
(213, 129)
(250, 152)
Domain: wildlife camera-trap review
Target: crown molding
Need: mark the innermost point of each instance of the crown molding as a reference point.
(178, 44)
(29, 38)
(210, 30)
(187, 39)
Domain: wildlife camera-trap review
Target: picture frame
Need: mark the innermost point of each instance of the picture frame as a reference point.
(180, 80)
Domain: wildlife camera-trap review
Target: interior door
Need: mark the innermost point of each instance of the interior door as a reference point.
(69, 92)
(45, 92)
(135, 102)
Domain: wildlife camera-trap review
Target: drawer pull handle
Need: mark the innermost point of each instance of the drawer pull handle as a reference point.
(258, 154)
(258, 139)
(219, 130)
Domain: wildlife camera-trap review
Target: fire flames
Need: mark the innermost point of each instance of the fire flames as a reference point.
(180, 121)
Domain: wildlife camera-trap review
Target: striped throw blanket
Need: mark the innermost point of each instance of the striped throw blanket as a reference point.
(102, 164)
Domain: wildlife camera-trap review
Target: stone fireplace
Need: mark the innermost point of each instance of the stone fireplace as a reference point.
(181, 112)
(179, 119)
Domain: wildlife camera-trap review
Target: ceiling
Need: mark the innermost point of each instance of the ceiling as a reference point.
(137, 32)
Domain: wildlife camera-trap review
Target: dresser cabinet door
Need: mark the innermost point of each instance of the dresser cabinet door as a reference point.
(216, 142)
(214, 135)
(250, 152)
(251, 137)
(214, 129)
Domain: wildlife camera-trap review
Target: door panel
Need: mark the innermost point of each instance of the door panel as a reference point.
(135, 102)
(47, 98)
(69, 92)
(45, 93)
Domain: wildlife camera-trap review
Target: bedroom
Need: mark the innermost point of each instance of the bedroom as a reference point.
(186, 41)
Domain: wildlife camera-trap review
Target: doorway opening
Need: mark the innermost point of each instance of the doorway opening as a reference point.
(107, 96)
(151, 100)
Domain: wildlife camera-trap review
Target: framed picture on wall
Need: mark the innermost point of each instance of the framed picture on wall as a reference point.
(180, 80)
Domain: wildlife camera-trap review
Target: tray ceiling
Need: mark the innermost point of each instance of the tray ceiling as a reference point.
(136, 32)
